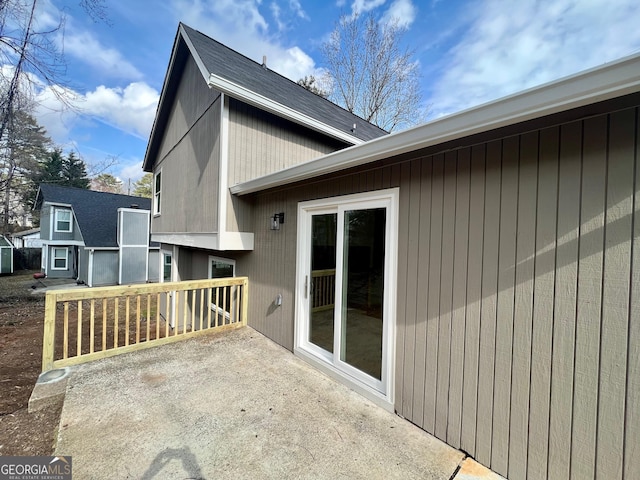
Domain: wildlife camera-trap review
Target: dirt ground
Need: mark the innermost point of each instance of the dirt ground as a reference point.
(21, 327)
(130, 321)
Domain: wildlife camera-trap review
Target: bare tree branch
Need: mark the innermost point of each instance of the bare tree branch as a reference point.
(371, 75)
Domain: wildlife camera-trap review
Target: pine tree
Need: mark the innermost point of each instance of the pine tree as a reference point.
(74, 172)
(22, 146)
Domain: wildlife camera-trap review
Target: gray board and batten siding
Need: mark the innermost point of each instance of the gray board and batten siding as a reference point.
(261, 143)
(518, 318)
(192, 131)
(105, 267)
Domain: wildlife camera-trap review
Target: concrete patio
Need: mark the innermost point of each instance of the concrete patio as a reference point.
(236, 405)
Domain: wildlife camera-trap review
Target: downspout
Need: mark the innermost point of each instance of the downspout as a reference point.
(90, 269)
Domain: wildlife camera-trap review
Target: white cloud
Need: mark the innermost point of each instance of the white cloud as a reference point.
(511, 46)
(402, 11)
(133, 172)
(298, 10)
(130, 109)
(275, 11)
(240, 25)
(82, 44)
(108, 61)
(364, 6)
(222, 15)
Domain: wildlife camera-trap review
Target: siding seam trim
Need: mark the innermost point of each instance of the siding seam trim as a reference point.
(625, 413)
(603, 267)
(555, 284)
(533, 302)
(191, 127)
(575, 333)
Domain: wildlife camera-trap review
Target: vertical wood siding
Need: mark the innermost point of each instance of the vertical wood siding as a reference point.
(518, 324)
(261, 143)
(189, 158)
(525, 353)
(105, 267)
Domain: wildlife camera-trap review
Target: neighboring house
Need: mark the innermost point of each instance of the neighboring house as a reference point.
(94, 237)
(27, 238)
(479, 274)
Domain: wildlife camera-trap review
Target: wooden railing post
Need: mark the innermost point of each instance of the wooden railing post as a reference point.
(245, 301)
(49, 333)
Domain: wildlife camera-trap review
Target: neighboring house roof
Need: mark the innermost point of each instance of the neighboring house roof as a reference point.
(24, 233)
(95, 212)
(4, 242)
(610, 81)
(244, 79)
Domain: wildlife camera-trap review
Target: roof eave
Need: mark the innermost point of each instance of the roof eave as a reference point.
(244, 94)
(612, 80)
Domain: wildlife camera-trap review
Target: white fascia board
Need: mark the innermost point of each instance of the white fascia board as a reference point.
(598, 84)
(58, 243)
(134, 210)
(209, 241)
(236, 241)
(59, 204)
(257, 100)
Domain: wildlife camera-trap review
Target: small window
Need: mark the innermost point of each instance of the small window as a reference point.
(223, 268)
(59, 259)
(220, 268)
(63, 220)
(167, 267)
(157, 187)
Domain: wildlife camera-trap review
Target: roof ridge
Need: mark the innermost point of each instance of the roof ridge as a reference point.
(68, 187)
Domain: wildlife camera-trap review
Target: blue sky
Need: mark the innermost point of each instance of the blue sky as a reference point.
(469, 52)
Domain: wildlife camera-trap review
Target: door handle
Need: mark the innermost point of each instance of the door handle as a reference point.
(306, 285)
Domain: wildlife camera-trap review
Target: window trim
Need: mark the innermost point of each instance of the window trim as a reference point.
(230, 261)
(54, 258)
(55, 220)
(157, 193)
(166, 255)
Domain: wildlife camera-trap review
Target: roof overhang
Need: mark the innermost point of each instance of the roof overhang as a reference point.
(252, 98)
(602, 83)
(244, 94)
(231, 89)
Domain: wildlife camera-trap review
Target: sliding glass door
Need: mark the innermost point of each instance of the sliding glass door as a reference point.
(345, 264)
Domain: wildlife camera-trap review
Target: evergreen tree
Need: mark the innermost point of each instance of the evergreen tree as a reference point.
(74, 172)
(22, 146)
(51, 168)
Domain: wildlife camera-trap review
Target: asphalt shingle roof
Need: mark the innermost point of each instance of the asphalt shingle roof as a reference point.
(95, 212)
(235, 67)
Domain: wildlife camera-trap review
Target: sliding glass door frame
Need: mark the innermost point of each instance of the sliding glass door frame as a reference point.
(379, 390)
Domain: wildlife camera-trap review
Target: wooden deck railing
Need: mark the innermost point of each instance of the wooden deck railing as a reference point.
(86, 324)
(323, 289)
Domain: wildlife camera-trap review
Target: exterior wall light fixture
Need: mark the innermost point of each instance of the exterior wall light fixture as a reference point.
(276, 220)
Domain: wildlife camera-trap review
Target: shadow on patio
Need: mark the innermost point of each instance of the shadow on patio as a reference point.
(234, 405)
